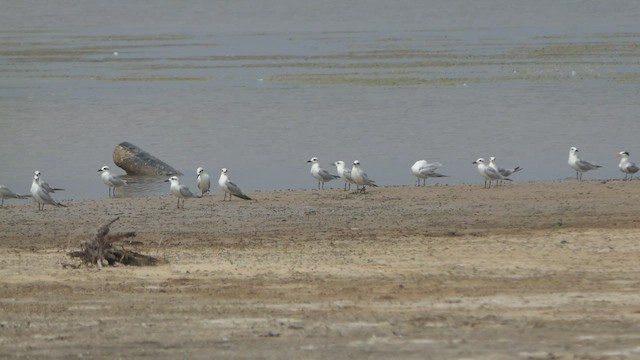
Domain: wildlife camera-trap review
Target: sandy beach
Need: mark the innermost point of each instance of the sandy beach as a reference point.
(531, 271)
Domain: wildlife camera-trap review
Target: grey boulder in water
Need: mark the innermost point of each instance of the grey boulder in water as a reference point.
(136, 161)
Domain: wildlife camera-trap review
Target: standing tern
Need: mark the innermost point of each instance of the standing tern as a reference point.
(110, 180)
(178, 190)
(204, 183)
(488, 173)
(44, 184)
(579, 165)
(627, 167)
(320, 174)
(360, 177)
(229, 187)
(41, 195)
(345, 174)
(504, 172)
(6, 193)
(422, 169)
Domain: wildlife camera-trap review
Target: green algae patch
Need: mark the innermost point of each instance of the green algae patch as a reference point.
(389, 61)
(610, 50)
(131, 38)
(70, 49)
(157, 78)
(150, 78)
(631, 77)
(392, 81)
(392, 67)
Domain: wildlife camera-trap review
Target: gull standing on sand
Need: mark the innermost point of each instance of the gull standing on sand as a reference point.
(488, 173)
(45, 185)
(41, 195)
(320, 174)
(578, 164)
(360, 177)
(6, 193)
(627, 167)
(345, 174)
(204, 184)
(504, 172)
(111, 181)
(178, 190)
(422, 169)
(229, 187)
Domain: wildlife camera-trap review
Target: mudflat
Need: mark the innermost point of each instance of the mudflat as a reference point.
(533, 271)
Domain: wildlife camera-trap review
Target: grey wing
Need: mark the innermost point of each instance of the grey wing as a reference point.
(493, 173)
(347, 175)
(185, 192)
(6, 193)
(632, 168)
(366, 179)
(433, 174)
(507, 172)
(233, 188)
(427, 168)
(49, 188)
(326, 176)
(429, 171)
(46, 198)
(116, 181)
(584, 165)
(46, 187)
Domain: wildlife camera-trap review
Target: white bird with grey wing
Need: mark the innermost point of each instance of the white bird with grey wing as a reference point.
(178, 190)
(229, 187)
(45, 186)
(578, 164)
(422, 169)
(203, 182)
(360, 177)
(40, 195)
(344, 173)
(504, 172)
(6, 193)
(488, 173)
(111, 180)
(320, 174)
(626, 166)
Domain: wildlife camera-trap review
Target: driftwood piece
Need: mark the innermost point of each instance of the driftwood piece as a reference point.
(101, 251)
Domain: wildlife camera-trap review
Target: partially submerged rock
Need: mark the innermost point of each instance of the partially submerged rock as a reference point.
(136, 161)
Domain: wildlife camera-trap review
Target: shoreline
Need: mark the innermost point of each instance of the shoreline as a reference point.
(459, 208)
(517, 271)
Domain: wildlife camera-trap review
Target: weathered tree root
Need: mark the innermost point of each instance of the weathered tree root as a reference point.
(101, 251)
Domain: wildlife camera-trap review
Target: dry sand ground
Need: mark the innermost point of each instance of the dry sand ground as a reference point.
(544, 271)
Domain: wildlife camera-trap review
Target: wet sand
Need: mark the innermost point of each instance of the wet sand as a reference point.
(540, 270)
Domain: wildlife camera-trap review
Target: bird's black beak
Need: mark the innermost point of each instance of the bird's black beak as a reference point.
(166, 180)
(100, 170)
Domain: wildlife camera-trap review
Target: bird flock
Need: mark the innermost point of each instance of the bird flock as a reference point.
(422, 169)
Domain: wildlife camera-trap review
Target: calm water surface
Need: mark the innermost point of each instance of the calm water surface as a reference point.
(261, 87)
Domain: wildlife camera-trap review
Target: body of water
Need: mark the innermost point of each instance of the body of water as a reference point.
(261, 87)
